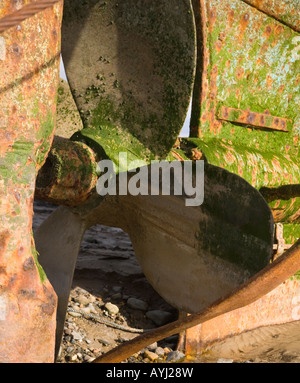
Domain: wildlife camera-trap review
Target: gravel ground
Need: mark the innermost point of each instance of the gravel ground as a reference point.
(109, 288)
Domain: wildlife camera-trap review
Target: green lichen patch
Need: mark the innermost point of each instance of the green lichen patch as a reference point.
(42, 274)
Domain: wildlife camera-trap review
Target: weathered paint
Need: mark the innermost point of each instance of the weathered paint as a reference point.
(284, 11)
(28, 84)
(247, 86)
(248, 64)
(246, 98)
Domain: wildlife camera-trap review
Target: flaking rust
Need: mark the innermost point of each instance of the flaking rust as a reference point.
(245, 115)
(29, 67)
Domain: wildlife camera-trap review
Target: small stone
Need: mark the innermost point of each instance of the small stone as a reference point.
(74, 357)
(88, 341)
(91, 360)
(111, 308)
(92, 308)
(74, 314)
(86, 310)
(150, 355)
(104, 342)
(137, 304)
(175, 356)
(159, 317)
(160, 351)
(76, 335)
(82, 299)
(167, 350)
(152, 346)
(223, 360)
(69, 349)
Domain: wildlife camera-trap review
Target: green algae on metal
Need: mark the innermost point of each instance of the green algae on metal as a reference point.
(69, 174)
(250, 66)
(284, 11)
(249, 72)
(42, 274)
(136, 74)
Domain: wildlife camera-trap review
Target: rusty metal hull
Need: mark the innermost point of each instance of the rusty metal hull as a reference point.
(245, 115)
(247, 67)
(29, 66)
(279, 306)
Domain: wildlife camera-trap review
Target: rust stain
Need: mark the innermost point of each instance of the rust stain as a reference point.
(242, 26)
(284, 11)
(267, 32)
(29, 77)
(263, 120)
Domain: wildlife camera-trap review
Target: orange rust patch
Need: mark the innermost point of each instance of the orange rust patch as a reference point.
(212, 17)
(4, 239)
(239, 73)
(267, 32)
(242, 26)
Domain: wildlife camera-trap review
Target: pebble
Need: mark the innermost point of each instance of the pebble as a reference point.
(175, 356)
(92, 308)
(152, 346)
(73, 314)
(137, 304)
(76, 335)
(159, 317)
(82, 299)
(111, 308)
(150, 355)
(86, 310)
(223, 360)
(160, 351)
(104, 342)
